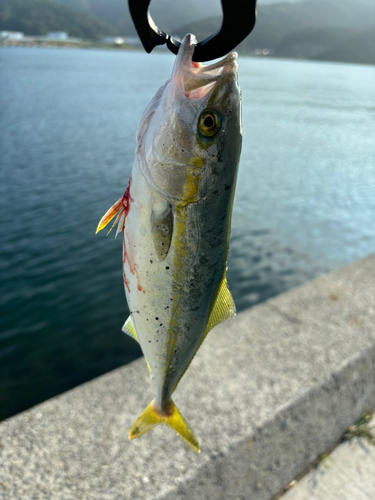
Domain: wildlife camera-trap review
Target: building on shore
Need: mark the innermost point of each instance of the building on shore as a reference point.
(119, 40)
(116, 40)
(57, 35)
(11, 35)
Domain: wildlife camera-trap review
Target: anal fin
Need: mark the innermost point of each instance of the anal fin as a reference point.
(129, 329)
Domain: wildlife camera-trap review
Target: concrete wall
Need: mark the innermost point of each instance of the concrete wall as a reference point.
(267, 393)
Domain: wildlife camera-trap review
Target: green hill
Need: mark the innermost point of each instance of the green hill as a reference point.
(357, 48)
(38, 17)
(166, 13)
(303, 30)
(313, 41)
(330, 44)
(112, 12)
(278, 20)
(274, 21)
(338, 30)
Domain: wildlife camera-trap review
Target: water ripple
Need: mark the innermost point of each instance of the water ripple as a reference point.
(304, 203)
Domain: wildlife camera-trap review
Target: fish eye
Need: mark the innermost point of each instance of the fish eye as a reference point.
(209, 122)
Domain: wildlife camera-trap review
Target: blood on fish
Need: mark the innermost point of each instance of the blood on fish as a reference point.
(126, 200)
(193, 281)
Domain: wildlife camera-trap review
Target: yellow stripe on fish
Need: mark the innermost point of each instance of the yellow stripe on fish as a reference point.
(175, 216)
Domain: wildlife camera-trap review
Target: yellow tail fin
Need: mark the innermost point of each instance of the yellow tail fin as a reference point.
(149, 418)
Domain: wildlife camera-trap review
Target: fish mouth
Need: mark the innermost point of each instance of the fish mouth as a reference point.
(196, 80)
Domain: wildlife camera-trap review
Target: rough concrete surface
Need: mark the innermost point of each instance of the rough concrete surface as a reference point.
(348, 473)
(266, 394)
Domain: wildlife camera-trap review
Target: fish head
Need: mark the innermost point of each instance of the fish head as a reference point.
(190, 135)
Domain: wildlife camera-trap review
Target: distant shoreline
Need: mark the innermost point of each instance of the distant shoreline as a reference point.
(56, 44)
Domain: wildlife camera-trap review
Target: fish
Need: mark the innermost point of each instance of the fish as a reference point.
(175, 219)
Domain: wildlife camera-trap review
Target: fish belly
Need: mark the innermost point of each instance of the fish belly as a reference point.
(170, 299)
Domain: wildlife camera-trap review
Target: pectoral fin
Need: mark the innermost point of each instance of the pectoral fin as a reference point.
(162, 228)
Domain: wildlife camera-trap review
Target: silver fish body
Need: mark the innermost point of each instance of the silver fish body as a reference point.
(175, 217)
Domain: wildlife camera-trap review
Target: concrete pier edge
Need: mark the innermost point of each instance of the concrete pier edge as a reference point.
(345, 472)
(267, 393)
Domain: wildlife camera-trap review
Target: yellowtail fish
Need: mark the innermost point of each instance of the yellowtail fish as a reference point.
(175, 219)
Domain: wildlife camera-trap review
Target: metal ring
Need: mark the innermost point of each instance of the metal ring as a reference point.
(238, 22)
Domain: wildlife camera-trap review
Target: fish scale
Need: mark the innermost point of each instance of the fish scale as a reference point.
(175, 217)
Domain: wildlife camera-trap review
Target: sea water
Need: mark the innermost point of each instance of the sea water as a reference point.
(304, 205)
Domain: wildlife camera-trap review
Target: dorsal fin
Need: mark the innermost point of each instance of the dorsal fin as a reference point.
(129, 329)
(222, 309)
